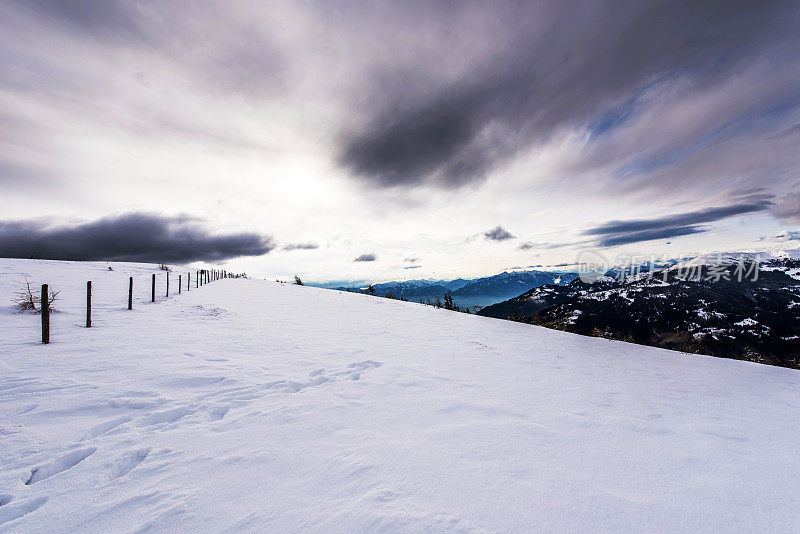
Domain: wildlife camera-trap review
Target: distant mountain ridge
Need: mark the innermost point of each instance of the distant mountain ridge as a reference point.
(475, 292)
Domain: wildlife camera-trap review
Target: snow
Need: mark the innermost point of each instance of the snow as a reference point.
(249, 405)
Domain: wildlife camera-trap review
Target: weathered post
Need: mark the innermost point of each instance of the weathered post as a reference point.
(130, 293)
(196, 279)
(89, 304)
(167, 293)
(188, 281)
(45, 309)
(180, 284)
(153, 292)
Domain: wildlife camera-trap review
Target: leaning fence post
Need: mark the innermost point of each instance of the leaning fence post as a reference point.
(153, 292)
(130, 293)
(89, 304)
(45, 309)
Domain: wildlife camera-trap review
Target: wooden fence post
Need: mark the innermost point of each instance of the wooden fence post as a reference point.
(89, 304)
(130, 293)
(167, 294)
(180, 284)
(153, 292)
(196, 279)
(45, 310)
(188, 281)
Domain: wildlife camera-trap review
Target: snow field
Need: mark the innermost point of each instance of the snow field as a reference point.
(248, 405)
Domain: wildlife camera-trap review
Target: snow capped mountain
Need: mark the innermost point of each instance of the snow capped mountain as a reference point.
(249, 405)
(721, 305)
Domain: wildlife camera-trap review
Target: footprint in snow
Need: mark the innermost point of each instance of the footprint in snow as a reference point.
(59, 465)
(125, 464)
(366, 364)
(217, 413)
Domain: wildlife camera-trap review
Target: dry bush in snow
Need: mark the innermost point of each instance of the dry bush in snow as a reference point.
(28, 299)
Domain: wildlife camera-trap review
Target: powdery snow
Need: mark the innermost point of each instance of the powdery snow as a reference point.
(251, 405)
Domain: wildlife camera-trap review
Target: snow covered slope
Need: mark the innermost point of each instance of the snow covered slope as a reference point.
(251, 405)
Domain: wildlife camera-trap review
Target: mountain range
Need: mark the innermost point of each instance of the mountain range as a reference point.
(698, 306)
(469, 293)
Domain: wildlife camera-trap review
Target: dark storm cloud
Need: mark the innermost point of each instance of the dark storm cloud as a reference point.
(366, 257)
(616, 233)
(692, 217)
(551, 65)
(132, 237)
(498, 233)
(649, 235)
(301, 246)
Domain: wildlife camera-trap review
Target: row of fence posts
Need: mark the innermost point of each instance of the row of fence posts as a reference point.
(201, 278)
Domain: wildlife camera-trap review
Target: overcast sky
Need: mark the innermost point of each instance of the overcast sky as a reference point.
(371, 140)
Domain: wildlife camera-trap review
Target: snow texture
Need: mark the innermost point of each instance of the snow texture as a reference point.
(249, 405)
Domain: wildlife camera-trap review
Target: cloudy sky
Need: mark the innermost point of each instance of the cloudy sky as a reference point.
(370, 140)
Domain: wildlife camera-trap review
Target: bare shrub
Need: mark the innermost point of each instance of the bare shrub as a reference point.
(297, 281)
(164, 267)
(27, 299)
